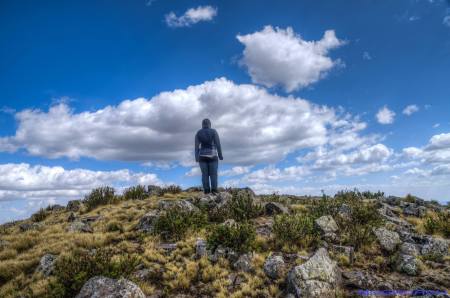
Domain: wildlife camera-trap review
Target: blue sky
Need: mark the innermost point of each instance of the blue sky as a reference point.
(306, 96)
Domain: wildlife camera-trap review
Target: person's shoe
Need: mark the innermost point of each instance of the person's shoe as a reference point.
(206, 192)
(215, 191)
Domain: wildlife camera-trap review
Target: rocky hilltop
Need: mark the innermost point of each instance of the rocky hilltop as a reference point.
(165, 242)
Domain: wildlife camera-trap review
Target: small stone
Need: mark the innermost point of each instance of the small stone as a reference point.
(79, 226)
(387, 239)
(244, 263)
(408, 264)
(200, 248)
(168, 247)
(47, 264)
(273, 266)
(326, 224)
(147, 223)
(272, 208)
(104, 287)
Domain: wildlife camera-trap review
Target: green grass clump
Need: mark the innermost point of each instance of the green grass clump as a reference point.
(74, 269)
(296, 229)
(99, 196)
(137, 192)
(114, 226)
(174, 223)
(239, 236)
(438, 223)
(242, 207)
(39, 216)
(172, 189)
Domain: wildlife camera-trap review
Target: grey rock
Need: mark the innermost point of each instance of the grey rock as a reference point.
(273, 266)
(345, 211)
(47, 264)
(89, 219)
(435, 246)
(200, 248)
(222, 252)
(318, 277)
(387, 239)
(79, 226)
(29, 226)
(408, 249)
(272, 208)
(184, 205)
(147, 223)
(168, 247)
(412, 209)
(142, 274)
(74, 205)
(408, 264)
(326, 224)
(358, 280)
(104, 287)
(243, 263)
(217, 200)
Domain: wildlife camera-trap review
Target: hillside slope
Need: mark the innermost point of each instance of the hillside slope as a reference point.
(165, 242)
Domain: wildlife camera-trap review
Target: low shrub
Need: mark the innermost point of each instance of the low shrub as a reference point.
(242, 207)
(296, 229)
(172, 189)
(39, 216)
(438, 223)
(174, 223)
(135, 193)
(240, 237)
(99, 196)
(114, 226)
(74, 269)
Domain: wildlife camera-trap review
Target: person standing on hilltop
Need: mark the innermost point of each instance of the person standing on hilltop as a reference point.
(207, 153)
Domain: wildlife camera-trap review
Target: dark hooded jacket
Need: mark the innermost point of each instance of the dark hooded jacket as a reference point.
(207, 141)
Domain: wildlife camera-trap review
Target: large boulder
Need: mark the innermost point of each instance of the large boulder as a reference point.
(273, 266)
(389, 240)
(326, 224)
(80, 227)
(412, 209)
(436, 247)
(317, 277)
(147, 223)
(46, 264)
(217, 200)
(272, 208)
(183, 205)
(104, 287)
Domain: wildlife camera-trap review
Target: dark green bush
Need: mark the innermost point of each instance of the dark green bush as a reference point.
(174, 223)
(135, 193)
(114, 226)
(242, 207)
(240, 237)
(39, 216)
(100, 196)
(73, 270)
(295, 229)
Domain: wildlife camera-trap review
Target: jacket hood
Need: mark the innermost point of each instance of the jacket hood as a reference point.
(206, 123)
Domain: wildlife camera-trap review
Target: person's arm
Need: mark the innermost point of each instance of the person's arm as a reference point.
(197, 146)
(217, 142)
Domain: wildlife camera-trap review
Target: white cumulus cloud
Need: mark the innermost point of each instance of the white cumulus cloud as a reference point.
(254, 126)
(25, 181)
(276, 56)
(385, 116)
(411, 109)
(191, 16)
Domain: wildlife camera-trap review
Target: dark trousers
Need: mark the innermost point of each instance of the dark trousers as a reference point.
(209, 171)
